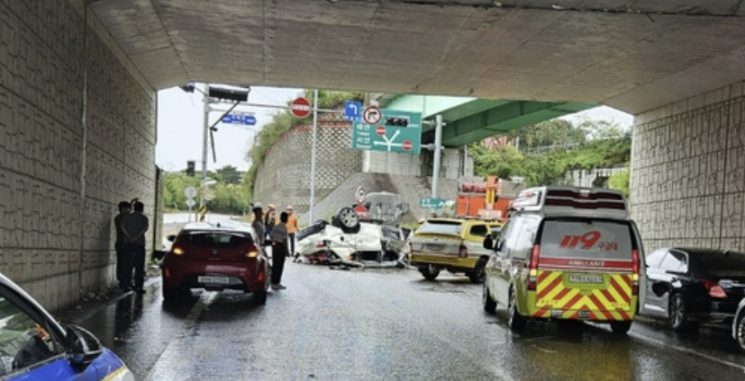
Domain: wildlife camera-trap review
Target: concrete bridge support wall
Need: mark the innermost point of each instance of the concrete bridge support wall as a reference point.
(688, 172)
(43, 208)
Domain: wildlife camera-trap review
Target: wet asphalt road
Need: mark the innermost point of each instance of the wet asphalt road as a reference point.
(387, 325)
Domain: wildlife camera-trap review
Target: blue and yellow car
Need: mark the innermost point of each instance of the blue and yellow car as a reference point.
(35, 347)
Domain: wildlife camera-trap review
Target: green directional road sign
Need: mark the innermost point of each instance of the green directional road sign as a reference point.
(395, 131)
(432, 203)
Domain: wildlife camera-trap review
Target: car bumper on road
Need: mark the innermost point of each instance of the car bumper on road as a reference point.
(447, 261)
(241, 276)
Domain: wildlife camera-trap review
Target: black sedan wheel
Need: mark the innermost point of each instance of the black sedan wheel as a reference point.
(677, 313)
(740, 333)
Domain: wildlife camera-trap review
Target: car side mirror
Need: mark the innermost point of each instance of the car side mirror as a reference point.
(171, 238)
(488, 243)
(82, 347)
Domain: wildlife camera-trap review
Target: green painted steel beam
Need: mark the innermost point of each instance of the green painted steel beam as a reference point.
(504, 119)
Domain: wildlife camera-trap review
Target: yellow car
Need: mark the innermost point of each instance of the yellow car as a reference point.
(454, 245)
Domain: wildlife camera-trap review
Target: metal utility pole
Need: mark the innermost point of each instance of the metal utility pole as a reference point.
(313, 157)
(438, 153)
(205, 136)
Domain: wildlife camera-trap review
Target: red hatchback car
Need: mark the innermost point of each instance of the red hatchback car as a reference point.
(215, 257)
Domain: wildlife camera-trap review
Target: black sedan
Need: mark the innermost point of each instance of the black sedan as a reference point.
(687, 286)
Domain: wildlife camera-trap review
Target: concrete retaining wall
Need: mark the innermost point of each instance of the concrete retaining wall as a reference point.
(43, 206)
(284, 177)
(688, 172)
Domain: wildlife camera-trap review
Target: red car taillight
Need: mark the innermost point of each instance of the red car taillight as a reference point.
(635, 276)
(463, 251)
(714, 289)
(533, 275)
(251, 252)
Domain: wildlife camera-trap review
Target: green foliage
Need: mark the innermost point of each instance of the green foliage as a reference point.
(552, 132)
(620, 181)
(282, 122)
(229, 175)
(594, 144)
(230, 198)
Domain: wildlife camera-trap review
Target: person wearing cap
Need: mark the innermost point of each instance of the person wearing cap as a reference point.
(291, 229)
(258, 225)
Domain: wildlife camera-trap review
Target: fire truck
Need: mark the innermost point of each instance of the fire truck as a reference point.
(486, 199)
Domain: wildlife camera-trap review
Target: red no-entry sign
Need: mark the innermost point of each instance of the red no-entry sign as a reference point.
(380, 130)
(300, 107)
(406, 145)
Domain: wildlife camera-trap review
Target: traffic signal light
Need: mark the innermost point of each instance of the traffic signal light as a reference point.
(397, 121)
(190, 168)
(228, 94)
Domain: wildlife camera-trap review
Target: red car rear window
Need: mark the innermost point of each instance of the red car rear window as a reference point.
(216, 239)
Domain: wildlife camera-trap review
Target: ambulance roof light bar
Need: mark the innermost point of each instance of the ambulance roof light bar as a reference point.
(572, 201)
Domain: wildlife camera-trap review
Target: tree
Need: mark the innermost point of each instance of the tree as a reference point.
(620, 181)
(611, 147)
(549, 133)
(229, 174)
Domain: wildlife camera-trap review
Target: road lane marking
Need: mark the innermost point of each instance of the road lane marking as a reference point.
(163, 369)
(689, 351)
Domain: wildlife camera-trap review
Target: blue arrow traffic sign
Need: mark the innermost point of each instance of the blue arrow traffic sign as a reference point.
(352, 110)
(248, 120)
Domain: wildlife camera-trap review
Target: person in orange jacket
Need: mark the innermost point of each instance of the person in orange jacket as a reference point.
(291, 229)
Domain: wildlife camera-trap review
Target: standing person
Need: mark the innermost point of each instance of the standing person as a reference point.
(134, 227)
(125, 208)
(291, 229)
(279, 251)
(270, 219)
(258, 225)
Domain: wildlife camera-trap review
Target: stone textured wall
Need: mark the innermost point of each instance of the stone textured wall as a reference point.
(452, 163)
(42, 213)
(688, 172)
(284, 177)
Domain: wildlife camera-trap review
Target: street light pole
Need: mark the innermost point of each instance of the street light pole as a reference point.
(313, 157)
(438, 154)
(205, 136)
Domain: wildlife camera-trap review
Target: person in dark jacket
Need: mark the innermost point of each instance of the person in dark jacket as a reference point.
(125, 208)
(279, 251)
(134, 227)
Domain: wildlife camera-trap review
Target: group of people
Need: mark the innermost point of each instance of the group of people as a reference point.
(131, 227)
(280, 235)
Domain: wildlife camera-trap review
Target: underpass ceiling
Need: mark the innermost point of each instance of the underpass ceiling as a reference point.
(632, 55)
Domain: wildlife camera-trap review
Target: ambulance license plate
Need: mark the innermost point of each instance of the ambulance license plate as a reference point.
(213, 279)
(585, 278)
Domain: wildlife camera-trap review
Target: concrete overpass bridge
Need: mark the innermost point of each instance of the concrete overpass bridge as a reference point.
(473, 119)
(78, 104)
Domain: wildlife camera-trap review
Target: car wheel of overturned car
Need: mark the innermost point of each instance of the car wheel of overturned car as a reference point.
(478, 275)
(490, 305)
(429, 272)
(347, 220)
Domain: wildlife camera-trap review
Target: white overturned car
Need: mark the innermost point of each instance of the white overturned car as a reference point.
(348, 241)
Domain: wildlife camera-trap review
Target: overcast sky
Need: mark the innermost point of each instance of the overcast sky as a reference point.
(180, 127)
